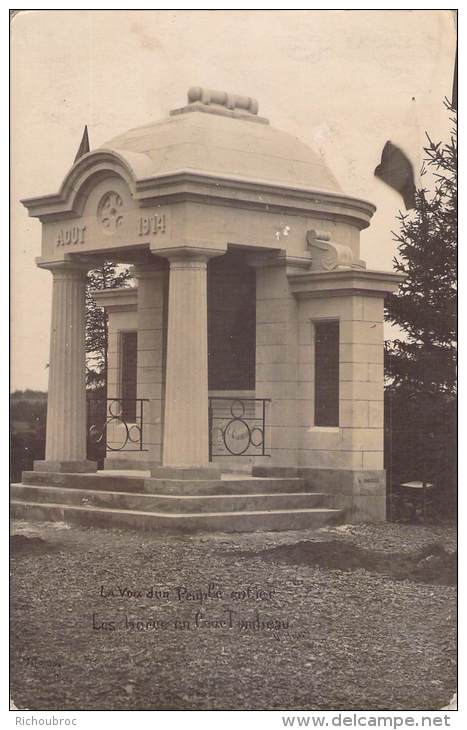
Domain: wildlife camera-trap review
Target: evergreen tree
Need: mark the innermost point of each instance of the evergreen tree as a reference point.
(421, 364)
(107, 276)
(425, 306)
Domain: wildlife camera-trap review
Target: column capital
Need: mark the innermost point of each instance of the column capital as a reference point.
(141, 271)
(64, 267)
(189, 254)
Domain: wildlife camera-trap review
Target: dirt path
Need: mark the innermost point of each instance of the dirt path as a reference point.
(346, 618)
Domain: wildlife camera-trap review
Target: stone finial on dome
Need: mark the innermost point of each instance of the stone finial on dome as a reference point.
(221, 103)
(222, 98)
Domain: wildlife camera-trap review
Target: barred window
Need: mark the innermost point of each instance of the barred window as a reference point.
(327, 373)
(128, 374)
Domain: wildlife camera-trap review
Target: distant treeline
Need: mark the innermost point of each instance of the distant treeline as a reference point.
(29, 394)
(28, 413)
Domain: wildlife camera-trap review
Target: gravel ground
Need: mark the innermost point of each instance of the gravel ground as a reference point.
(304, 637)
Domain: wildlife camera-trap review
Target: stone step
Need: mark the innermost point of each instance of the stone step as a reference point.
(140, 485)
(167, 502)
(246, 521)
(84, 481)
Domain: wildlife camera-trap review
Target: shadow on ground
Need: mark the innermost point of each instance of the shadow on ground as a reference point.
(20, 544)
(433, 564)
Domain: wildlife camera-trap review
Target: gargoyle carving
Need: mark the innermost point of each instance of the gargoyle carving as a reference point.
(326, 255)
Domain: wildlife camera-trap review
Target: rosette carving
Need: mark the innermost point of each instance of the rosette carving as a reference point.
(110, 213)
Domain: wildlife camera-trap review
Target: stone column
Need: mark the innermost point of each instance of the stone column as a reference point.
(152, 293)
(66, 403)
(185, 451)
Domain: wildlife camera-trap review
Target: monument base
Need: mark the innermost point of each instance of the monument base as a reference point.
(360, 494)
(66, 467)
(211, 471)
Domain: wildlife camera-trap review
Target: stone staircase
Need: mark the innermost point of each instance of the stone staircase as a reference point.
(235, 503)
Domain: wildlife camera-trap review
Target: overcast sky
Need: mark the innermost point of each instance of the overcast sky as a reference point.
(345, 82)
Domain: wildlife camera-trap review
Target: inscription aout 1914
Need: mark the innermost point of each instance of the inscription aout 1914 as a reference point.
(147, 225)
(71, 236)
(152, 224)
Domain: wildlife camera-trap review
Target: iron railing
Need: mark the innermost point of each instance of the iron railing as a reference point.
(116, 423)
(237, 426)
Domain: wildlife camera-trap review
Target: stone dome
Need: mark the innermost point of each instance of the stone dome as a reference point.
(221, 135)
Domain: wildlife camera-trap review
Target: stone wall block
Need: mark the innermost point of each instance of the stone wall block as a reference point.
(376, 372)
(362, 439)
(361, 333)
(373, 309)
(353, 414)
(373, 459)
(271, 310)
(369, 354)
(271, 333)
(376, 414)
(353, 371)
(271, 354)
(321, 459)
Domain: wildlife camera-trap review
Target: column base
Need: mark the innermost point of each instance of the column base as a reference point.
(130, 464)
(211, 471)
(66, 467)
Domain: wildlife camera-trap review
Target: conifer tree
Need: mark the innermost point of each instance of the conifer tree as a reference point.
(421, 362)
(425, 306)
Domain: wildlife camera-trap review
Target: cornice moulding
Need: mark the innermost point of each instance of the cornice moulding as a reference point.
(339, 283)
(189, 184)
(124, 299)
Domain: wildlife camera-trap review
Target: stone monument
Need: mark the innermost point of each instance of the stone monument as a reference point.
(250, 286)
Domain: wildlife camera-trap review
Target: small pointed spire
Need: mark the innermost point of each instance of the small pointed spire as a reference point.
(84, 146)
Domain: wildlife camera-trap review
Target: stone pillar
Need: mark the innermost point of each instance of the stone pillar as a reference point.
(277, 366)
(152, 291)
(345, 460)
(66, 402)
(185, 451)
(362, 404)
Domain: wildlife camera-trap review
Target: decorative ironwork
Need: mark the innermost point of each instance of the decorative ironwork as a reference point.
(237, 426)
(108, 423)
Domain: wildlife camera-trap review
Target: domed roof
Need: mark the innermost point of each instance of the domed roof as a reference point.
(221, 134)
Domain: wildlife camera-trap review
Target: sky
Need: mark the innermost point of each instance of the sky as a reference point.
(344, 81)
